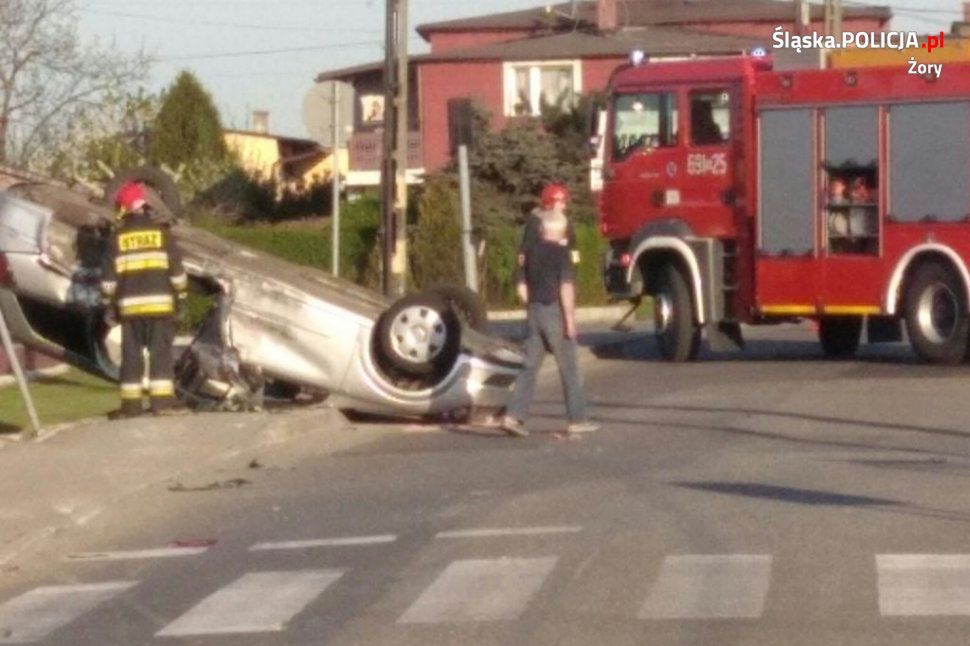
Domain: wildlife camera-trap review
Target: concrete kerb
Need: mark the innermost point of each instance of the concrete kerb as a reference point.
(511, 323)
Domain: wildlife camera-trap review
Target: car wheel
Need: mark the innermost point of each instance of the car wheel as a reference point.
(839, 335)
(936, 315)
(162, 190)
(419, 334)
(678, 337)
(466, 303)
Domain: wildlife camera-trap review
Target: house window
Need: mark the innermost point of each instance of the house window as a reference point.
(529, 86)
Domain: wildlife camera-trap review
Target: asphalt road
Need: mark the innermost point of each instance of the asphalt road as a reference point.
(769, 497)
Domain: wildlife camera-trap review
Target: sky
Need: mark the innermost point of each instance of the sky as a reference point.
(265, 54)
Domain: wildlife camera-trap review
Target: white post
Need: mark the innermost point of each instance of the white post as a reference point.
(335, 178)
(471, 270)
(21, 380)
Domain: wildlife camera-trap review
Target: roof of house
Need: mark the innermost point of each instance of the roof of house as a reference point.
(645, 12)
(267, 135)
(653, 41)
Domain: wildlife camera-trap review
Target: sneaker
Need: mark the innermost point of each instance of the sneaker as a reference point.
(513, 427)
(585, 426)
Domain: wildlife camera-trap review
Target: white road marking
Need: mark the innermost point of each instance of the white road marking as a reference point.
(35, 614)
(324, 542)
(159, 553)
(480, 590)
(709, 586)
(923, 584)
(509, 531)
(257, 602)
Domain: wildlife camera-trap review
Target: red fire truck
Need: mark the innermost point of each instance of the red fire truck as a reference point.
(736, 193)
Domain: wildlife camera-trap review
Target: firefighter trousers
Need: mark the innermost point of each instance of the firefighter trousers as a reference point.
(157, 334)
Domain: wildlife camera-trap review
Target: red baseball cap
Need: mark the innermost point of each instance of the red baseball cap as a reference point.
(553, 192)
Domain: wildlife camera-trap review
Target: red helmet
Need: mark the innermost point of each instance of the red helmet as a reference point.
(551, 193)
(130, 197)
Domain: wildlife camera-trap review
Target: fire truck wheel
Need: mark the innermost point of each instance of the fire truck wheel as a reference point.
(936, 314)
(839, 335)
(673, 313)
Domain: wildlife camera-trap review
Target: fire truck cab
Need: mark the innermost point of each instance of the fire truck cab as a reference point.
(736, 193)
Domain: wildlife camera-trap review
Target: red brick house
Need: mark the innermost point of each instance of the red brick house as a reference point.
(509, 62)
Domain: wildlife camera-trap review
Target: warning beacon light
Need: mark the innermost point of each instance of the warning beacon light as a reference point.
(758, 52)
(637, 57)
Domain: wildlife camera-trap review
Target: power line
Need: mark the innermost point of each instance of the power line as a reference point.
(212, 23)
(266, 52)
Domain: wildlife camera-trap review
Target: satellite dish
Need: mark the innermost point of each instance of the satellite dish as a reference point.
(318, 112)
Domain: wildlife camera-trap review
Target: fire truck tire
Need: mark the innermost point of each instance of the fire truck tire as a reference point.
(678, 337)
(936, 314)
(840, 335)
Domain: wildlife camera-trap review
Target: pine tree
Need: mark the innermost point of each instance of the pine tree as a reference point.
(187, 129)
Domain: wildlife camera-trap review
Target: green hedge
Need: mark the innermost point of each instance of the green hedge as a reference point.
(308, 242)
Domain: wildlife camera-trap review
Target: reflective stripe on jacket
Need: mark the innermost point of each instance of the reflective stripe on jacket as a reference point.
(142, 272)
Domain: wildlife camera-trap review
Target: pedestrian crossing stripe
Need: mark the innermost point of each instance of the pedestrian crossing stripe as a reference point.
(257, 602)
(480, 590)
(35, 614)
(709, 586)
(686, 587)
(923, 585)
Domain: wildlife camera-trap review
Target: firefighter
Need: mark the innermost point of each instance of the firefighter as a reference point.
(142, 283)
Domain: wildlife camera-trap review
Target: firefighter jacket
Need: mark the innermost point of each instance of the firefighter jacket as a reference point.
(142, 274)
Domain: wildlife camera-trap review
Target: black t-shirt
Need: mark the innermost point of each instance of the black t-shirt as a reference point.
(547, 266)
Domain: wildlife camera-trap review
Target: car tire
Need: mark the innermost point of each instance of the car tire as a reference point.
(156, 180)
(466, 303)
(419, 335)
(935, 309)
(839, 335)
(678, 337)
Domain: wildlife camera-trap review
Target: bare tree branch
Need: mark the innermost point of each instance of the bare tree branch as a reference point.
(48, 77)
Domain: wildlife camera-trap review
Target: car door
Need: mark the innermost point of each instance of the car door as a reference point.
(642, 152)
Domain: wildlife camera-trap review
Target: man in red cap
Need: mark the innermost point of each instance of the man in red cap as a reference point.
(546, 284)
(142, 279)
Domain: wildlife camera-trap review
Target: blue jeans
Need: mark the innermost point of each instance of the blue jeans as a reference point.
(546, 332)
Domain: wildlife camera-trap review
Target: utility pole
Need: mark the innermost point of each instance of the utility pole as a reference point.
(394, 190)
(833, 18)
(803, 16)
(18, 373)
(335, 180)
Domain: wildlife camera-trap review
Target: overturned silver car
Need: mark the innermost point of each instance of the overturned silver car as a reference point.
(271, 321)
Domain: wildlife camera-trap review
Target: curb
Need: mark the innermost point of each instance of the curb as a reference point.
(605, 314)
(53, 371)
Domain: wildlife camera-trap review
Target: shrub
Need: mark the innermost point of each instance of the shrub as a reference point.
(187, 129)
(309, 241)
(435, 246)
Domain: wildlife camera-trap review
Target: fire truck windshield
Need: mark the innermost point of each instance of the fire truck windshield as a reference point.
(643, 121)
